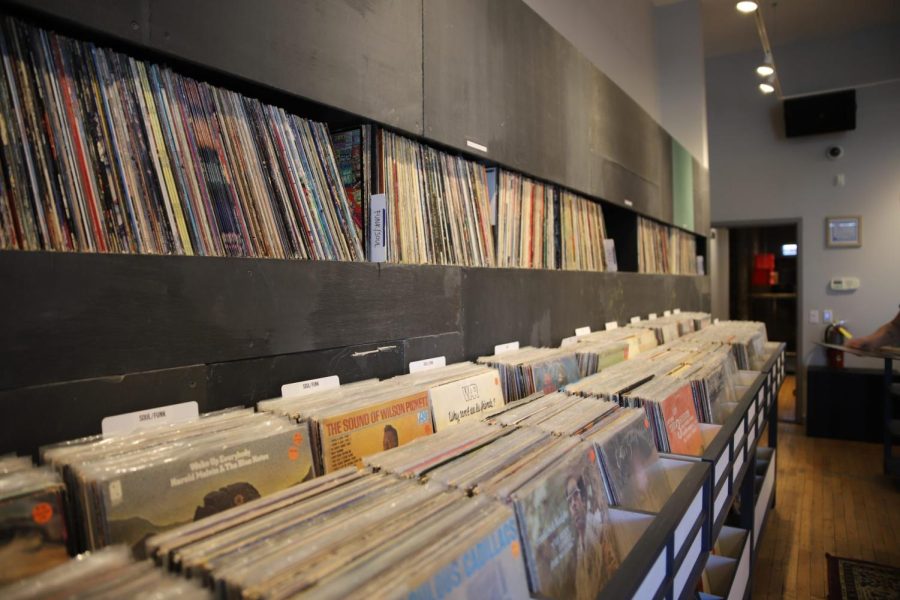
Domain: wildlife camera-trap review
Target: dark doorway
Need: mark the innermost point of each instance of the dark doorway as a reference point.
(763, 286)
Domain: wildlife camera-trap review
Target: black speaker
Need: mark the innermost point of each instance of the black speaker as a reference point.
(824, 113)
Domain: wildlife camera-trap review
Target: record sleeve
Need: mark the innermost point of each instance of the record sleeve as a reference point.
(555, 374)
(349, 437)
(33, 534)
(470, 399)
(138, 503)
(631, 464)
(492, 567)
(570, 543)
(681, 423)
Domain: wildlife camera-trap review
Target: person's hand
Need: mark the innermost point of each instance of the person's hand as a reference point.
(886, 335)
(863, 343)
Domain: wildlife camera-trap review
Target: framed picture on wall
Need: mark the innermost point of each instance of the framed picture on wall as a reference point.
(843, 232)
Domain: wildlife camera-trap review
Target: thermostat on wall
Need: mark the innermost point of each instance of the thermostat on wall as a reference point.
(844, 284)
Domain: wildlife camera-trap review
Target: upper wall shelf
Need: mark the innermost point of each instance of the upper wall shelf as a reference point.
(539, 107)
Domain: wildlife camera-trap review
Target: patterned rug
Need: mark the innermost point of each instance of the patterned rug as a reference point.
(850, 579)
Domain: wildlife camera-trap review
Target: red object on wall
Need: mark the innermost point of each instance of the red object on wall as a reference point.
(764, 261)
(763, 271)
(760, 277)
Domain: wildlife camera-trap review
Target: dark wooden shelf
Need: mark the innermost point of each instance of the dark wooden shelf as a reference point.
(77, 329)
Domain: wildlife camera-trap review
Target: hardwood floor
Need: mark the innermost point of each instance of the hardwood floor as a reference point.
(787, 399)
(831, 497)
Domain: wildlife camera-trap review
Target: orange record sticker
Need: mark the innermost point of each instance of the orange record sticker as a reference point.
(42, 513)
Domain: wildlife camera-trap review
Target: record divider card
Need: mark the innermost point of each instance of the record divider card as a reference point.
(160, 415)
(507, 347)
(427, 364)
(302, 388)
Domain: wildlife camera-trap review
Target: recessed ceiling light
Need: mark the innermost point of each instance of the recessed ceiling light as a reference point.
(746, 6)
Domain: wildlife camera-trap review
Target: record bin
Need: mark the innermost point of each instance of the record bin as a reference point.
(728, 570)
(765, 469)
(728, 447)
(661, 549)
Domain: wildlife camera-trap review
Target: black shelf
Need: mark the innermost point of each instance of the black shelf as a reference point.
(82, 334)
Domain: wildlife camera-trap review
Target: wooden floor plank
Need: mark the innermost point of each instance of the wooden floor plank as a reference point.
(831, 497)
(787, 399)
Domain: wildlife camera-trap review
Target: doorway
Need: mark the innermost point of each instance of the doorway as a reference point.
(761, 263)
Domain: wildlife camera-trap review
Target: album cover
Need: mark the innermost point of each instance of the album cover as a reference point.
(349, 437)
(570, 544)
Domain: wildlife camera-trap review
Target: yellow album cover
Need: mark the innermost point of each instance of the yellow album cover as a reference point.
(349, 437)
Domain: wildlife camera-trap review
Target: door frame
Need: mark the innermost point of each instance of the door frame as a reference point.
(800, 364)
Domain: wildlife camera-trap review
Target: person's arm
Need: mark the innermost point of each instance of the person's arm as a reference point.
(886, 335)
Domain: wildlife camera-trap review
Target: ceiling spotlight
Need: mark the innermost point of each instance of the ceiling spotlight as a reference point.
(746, 6)
(767, 86)
(767, 67)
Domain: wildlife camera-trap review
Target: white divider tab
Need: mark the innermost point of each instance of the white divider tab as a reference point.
(762, 501)
(635, 319)
(476, 146)
(690, 561)
(652, 316)
(738, 463)
(667, 313)
(742, 573)
(676, 311)
(612, 325)
(715, 321)
(687, 521)
(507, 347)
(654, 578)
(720, 501)
(140, 419)
(582, 331)
(738, 438)
(721, 465)
(609, 252)
(428, 364)
(378, 228)
(302, 388)
(569, 341)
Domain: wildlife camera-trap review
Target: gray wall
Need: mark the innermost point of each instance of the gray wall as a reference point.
(617, 37)
(682, 76)
(758, 175)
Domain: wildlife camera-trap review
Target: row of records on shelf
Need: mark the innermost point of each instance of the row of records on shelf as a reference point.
(508, 474)
(105, 152)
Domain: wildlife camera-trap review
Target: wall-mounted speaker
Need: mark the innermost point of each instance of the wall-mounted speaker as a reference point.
(823, 113)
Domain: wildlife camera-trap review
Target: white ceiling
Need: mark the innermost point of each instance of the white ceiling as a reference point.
(726, 31)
